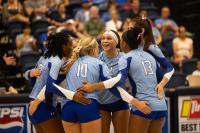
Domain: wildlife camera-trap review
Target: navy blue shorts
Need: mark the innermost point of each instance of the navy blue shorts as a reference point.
(116, 106)
(76, 112)
(43, 113)
(152, 115)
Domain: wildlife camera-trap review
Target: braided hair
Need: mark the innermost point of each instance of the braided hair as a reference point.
(55, 44)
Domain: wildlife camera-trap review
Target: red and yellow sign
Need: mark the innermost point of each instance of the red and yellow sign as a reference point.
(189, 114)
(191, 108)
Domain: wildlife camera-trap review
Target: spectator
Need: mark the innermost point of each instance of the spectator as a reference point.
(36, 9)
(25, 42)
(143, 13)
(51, 4)
(134, 9)
(4, 62)
(60, 17)
(106, 15)
(83, 15)
(51, 30)
(197, 72)
(71, 29)
(120, 2)
(94, 26)
(114, 24)
(156, 34)
(81, 29)
(12, 10)
(1, 6)
(102, 4)
(167, 26)
(182, 46)
(168, 29)
(126, 24)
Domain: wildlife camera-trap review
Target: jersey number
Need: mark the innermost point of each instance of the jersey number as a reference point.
(82, 70)
(147, 67)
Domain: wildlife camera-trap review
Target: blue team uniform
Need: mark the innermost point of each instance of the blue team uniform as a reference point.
(49, 73)
(90, 69)
(141, 69)
(107, 100)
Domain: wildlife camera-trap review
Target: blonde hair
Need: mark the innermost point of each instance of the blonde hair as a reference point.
(87, 44)
(83, 48)
(75, 54)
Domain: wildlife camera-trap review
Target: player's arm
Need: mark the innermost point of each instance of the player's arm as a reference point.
(32, 74)
(107, 84)
(41, 97)
(140, 105)
(155, 51)
(53, 79)
(119, 80)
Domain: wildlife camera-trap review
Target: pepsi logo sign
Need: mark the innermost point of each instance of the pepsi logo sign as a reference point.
(13, 119)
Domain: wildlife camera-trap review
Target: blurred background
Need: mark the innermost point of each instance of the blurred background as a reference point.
(26, 24)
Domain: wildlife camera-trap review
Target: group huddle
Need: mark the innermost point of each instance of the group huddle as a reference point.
(125, 86)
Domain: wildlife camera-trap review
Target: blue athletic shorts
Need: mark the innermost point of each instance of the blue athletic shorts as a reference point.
(152, 115)
(76, 112)
(116, 106)
(43, 113)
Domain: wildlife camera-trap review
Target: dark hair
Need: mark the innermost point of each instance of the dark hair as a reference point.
(148, 34)
(26, 26)
(55, 44)
(132, 37)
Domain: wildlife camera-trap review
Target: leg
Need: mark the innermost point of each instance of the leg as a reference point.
(120, 121)
(91, 127)
(38, 128)
(53, 125)
(156, 125)
(71, 127)
(105, 121)
(138, 124)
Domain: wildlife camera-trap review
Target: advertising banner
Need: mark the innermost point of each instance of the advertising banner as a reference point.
(14, 118)
(189, 114)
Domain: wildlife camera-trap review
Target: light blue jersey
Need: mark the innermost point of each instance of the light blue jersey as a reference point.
(141, 68)
(41, 80)
(86, 68)
(105, 96)
(50, 68)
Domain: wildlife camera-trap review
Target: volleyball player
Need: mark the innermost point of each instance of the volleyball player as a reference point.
(112, 108)
(44, 114)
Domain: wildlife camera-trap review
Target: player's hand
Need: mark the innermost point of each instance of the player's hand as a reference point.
(143, 107)
(80, 98)
(36, 72)
(87, 87)
(160, 91)
(33, 106)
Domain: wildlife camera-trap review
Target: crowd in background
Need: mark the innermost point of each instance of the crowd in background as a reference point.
(29, 23)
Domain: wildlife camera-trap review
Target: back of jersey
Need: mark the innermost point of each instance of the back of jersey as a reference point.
(49, 67)
(86, 68)
(142, 75)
